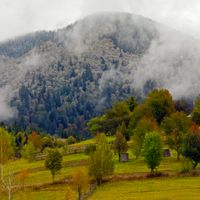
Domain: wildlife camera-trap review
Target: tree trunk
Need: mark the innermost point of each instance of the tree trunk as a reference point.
(195, 164)
(178, 156)
(99, 181)
(79, 195)
(9, 194)
(119, 157)
(152, 171)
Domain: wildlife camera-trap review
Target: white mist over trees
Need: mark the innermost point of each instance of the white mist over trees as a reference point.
(60, 84)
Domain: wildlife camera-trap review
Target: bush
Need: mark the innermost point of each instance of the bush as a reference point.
(90, 149)
(71, 140)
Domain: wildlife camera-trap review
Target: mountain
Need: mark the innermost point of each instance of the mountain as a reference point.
(56, 81)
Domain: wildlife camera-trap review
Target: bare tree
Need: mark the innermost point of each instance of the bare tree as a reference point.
(9, 181)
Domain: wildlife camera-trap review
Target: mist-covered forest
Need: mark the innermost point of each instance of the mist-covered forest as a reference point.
(57, 81)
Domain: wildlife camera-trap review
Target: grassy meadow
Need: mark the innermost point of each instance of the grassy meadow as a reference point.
(153, 189)
(40, 185)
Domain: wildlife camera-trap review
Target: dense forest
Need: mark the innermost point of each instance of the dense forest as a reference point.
(61, 79)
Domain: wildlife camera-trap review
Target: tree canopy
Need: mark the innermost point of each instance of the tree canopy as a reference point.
(191, 147)
(53, 162)
(160, 103)
(175, 127)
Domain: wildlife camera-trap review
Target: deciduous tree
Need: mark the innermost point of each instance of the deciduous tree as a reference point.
(71, 140)
(120, 144)
(175, 127)
(35, 139)
(28, 151)
(68, 195)
(152, 150)
(6, 148)
(144, 126)
(138, 113)
(191, 147)
(101, 163)
(160, 103)
(81, 181)
(53, 162)
(23, 175)
(6, 151)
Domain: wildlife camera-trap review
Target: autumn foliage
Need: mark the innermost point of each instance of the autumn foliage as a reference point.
(35, 139)
(81, 181)
(23, 175)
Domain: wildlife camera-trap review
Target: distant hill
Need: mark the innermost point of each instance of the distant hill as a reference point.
(59, 80)
(23, 44)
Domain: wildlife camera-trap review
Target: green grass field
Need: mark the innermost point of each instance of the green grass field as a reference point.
(176, 188)
(154, 189)
(39, 175)
(144, 189)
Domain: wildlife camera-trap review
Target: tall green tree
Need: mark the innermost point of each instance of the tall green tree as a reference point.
(101, 163)
(28, 151)
(191, 147)
(152, 150)
(120, 109)
(138, 113)
(175, 127)
(144, 126)
(53, 162)
(160, 103)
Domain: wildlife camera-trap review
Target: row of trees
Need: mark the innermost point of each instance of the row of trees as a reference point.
(28, 143)
(100, 165)
(157, 114)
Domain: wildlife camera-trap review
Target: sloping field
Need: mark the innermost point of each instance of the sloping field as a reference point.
(154, 189)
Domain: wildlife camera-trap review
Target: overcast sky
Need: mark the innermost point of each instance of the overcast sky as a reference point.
(23, 16)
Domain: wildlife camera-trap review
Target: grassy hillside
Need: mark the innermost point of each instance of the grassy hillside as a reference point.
(39, 182)
(160, 188)
(156, 189)
(39, 174)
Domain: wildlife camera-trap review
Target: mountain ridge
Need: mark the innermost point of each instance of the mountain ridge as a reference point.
(76, 75)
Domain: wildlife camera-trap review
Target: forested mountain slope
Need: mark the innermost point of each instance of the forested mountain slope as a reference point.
(59, 80)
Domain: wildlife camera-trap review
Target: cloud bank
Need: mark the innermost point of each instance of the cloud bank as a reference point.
(20, 17)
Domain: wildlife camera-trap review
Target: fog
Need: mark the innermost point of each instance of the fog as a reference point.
(169, 57)
(21, 16)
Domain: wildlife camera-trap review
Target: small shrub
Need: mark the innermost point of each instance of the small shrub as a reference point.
(89, 149)
(71, 140)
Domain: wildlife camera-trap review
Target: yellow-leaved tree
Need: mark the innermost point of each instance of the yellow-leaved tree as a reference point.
(81, 181)
(23, 175)
(68, 195)
(6, 151)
